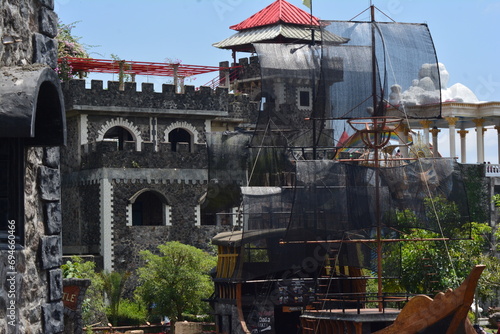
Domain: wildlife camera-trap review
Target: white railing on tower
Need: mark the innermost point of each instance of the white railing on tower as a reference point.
(493, 170)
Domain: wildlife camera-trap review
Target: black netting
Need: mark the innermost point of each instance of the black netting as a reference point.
(266, 207)
(228, 157)
(291, 85)
(385, 66)
(338, 199)
(344, 203)
(326, 209)
(381, 69)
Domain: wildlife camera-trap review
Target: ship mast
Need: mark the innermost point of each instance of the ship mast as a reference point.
(376, 147)
(313, 86)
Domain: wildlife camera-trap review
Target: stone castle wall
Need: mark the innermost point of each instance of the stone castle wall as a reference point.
(28, 29)
(203, 99)
(146, 163)
(181, 196)
(38, 287)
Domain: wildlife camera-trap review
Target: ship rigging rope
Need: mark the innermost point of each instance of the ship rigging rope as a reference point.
(258, 152)
(411, 148)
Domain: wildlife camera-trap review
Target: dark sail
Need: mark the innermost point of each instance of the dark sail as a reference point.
(390, 63)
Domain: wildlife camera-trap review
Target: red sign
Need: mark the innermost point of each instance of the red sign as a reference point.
(70, 296)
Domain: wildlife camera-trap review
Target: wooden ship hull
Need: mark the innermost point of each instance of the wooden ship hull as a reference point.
(446, 313)
(284, 302)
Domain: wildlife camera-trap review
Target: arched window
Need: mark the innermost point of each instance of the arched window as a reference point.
(120, 135)
(179, 135)
(148, 209)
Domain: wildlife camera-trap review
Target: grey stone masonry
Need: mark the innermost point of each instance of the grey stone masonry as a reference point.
(53, 218)
(249, 68)
(38, 280)
(55, 285)
(49, 183)
(48, 22)
(204, 102)
(51, 252)
(30, 278)
(27, 30)
(53, 317)
(204, 99)
(44, 50)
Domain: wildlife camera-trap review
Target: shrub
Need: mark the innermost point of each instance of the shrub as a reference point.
(130, 313)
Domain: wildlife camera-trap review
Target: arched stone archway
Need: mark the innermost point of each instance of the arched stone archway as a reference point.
(121, 122)
(188, 128)
(148, 207)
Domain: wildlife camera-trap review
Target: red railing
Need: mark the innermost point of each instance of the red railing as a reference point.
(137, 67)
(221, 80)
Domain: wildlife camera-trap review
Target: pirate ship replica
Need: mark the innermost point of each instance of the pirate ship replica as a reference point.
(314, 217)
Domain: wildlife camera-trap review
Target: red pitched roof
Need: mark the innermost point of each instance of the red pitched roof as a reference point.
(279, 11)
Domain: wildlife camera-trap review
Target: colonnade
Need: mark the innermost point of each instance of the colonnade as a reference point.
(429, 129)
(461, 119)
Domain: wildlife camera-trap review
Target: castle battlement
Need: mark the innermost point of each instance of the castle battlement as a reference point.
(246, 68)
(203, 98)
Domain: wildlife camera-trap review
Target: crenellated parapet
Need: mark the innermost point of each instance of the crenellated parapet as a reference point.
(242, 106)
(244, 69)
(202, 99)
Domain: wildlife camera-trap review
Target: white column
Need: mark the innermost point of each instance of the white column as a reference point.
(482, 140)
(479, 139)
(153, 133)
(463, 145)
(403, 139)
(167, 214)
(452, 121)
(435, 151)
(227, 79)
(426, 124)
(208, 125)
(106, 224)
(84, 130)
(498, 142)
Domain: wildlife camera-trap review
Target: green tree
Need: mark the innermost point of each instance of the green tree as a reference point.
(113, 284)
(430, 266)
(175, 282)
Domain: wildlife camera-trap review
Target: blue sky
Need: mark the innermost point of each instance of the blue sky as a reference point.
(466, 33)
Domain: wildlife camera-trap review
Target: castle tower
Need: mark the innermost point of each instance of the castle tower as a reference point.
(286, 87)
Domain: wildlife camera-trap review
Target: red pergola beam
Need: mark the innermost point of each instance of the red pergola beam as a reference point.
(137, 67)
